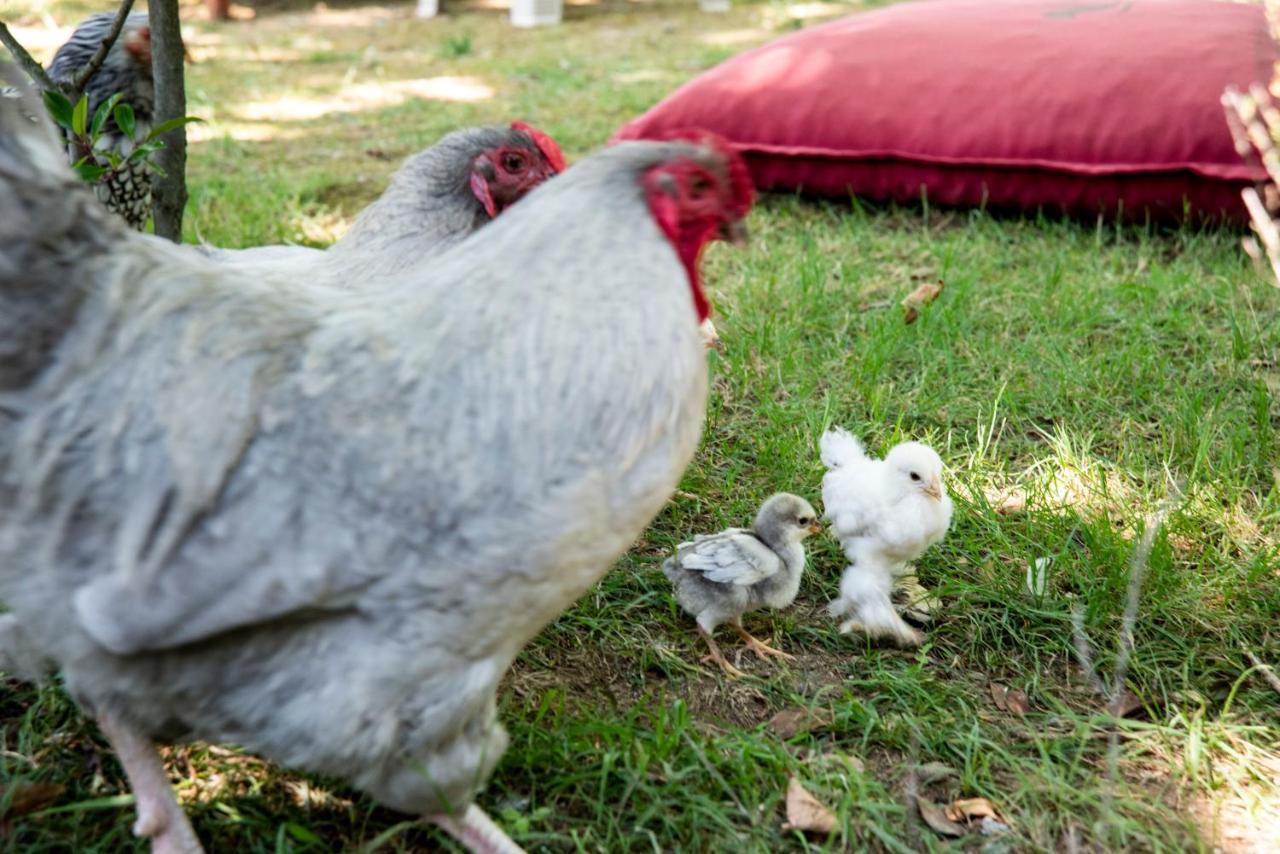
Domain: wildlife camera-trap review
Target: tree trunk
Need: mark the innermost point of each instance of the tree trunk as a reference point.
(169, 192)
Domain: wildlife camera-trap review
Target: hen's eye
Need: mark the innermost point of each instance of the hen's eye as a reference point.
(513, 162)
(915, 476)
(699, 186)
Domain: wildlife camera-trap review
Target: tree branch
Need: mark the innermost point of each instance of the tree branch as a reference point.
(99, 56)
(169, 190)
(33, 69)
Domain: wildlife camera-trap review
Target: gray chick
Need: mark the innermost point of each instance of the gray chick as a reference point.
(720, 577)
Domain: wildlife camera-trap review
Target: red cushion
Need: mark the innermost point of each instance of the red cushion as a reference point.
(1068, 105)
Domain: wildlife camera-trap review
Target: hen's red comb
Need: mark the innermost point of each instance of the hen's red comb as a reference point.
(739, 175)
(545, 144)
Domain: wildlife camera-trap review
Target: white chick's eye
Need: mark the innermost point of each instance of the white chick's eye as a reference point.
(915, 476)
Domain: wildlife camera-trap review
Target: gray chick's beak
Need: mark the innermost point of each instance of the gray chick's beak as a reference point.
(735, 232)
(934, 489)
(710, 337)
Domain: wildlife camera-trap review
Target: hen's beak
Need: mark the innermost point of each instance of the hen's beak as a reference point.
(735, 232)
(709, 335)
(933, 489)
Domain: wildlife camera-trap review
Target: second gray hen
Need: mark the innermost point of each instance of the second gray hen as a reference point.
(720, 577)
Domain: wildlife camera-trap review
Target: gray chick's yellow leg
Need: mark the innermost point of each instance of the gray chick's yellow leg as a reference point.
(759, 647)
(718, 658)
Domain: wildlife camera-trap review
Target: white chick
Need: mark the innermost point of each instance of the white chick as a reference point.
(885, 514)
(720, 577)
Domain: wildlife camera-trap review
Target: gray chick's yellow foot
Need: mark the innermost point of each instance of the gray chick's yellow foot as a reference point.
(914, 601)
(477, 832)
(760, 648)
(716, 657)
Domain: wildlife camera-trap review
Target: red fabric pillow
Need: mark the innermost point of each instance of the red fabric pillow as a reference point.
(1068, 105)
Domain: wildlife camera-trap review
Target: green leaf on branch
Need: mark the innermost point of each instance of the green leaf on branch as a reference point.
(59, 108)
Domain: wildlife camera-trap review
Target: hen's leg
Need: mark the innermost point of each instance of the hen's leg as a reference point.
(159, 816)
(759, 647)
(717, 657)
(475, 830)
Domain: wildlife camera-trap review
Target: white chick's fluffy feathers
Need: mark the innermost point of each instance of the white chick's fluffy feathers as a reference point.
(885, 513)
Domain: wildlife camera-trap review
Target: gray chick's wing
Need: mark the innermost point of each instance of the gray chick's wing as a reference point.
(735, 556)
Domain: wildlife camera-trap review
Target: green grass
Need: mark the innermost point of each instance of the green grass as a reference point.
(1087, 365)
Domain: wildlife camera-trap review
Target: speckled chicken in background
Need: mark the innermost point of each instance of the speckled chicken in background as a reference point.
(318, 522)
(126, 69)
(886, 513)
(437, 198)
(720, 577)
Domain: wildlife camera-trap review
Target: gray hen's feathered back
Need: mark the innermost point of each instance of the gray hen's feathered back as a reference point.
(320, 523)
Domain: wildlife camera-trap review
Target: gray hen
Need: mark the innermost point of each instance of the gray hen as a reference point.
(437, 198)
(319, 522)
(720, 577)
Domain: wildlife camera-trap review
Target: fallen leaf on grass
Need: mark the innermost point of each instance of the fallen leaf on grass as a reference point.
(967, 815)
(793, 721)
(936, 818)
(918, 299)
(24, 798)
(978, 814)
(807, 813)
(1009, 699)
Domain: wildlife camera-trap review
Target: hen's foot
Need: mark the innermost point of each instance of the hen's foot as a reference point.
(477, 832)
(159, 817)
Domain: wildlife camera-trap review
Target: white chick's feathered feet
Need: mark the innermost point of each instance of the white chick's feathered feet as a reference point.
(866, 602)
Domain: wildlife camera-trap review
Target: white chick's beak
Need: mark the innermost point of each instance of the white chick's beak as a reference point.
(933, 489)
(815, 528)
(709, 335)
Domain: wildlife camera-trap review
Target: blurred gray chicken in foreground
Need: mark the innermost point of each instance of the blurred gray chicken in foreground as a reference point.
(320, 522)
(125, 70)
(436, 199)
(720, 577)
(885, 513)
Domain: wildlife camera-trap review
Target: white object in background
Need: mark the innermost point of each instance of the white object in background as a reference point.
(428, 8)
(536, 13)
(714, 5)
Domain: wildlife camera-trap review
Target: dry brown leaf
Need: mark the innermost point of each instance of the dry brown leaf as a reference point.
(1017, 702)
(999, 695)
(1009, 699)
(807, 813)
(974, 811)
(918, 299)
(934, 816)
(26, 798)
(798, 719)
